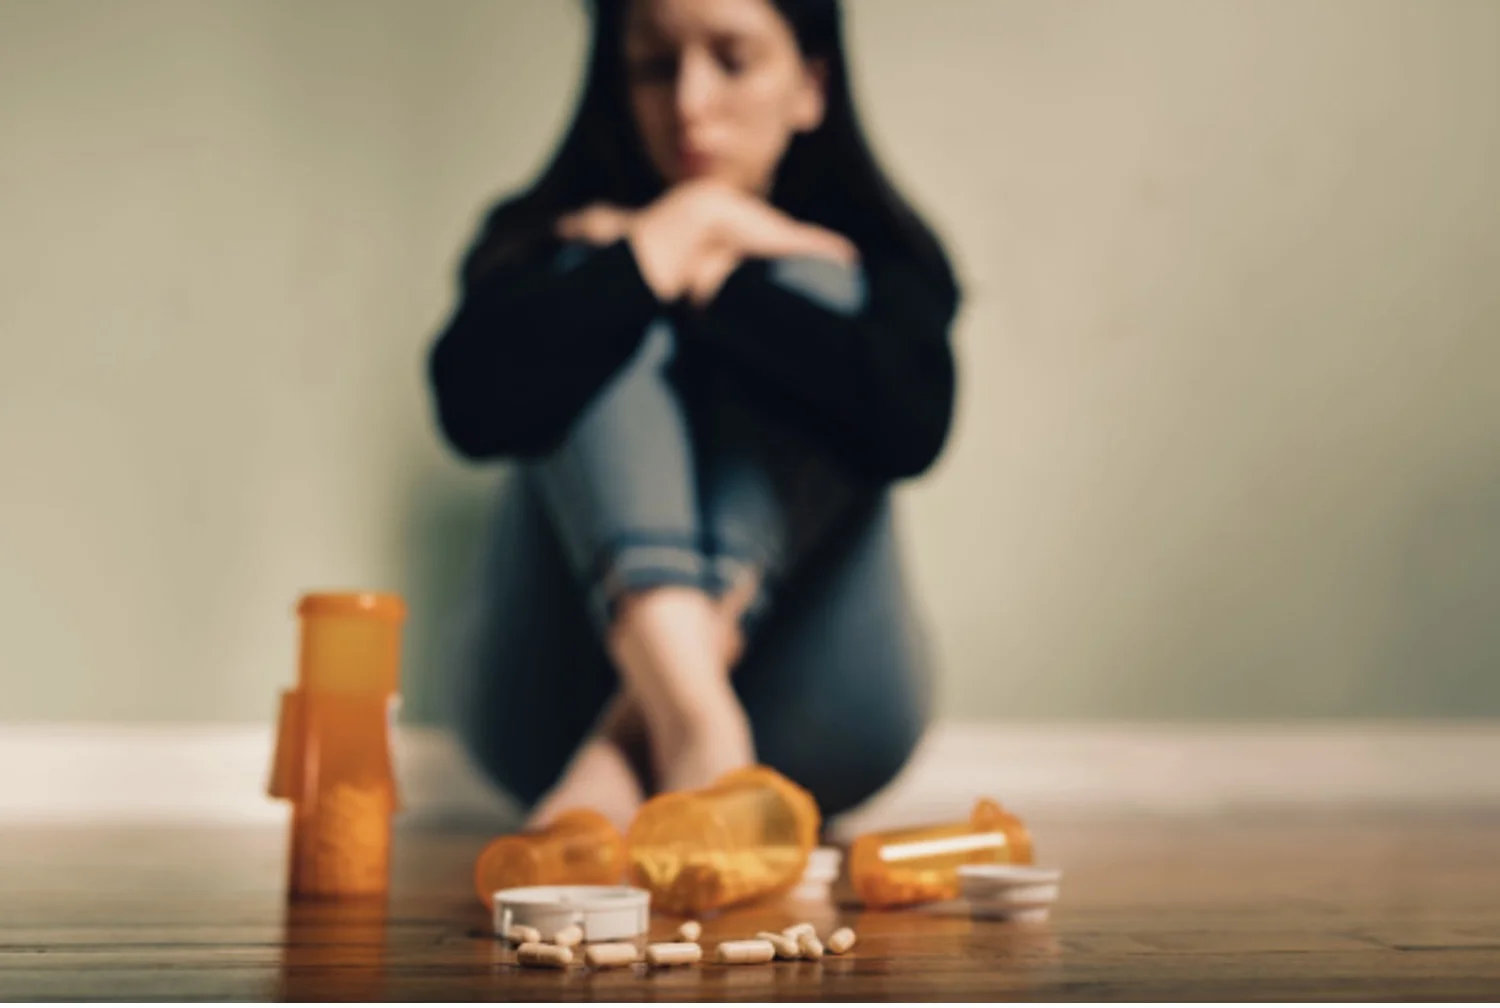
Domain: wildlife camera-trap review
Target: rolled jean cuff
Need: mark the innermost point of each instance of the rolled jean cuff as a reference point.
(724, 573)
(642, 562)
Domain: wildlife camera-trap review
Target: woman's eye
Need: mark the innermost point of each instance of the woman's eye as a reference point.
(733, 61)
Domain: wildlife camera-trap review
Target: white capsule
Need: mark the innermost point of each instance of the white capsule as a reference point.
(798, 930)
(786, 948)
(753, 950)
(520, 934)
(673, 953)
(809, 946)
(841, 941)
(568, 936)
(608, 954)
(690, 931)
(538, 954)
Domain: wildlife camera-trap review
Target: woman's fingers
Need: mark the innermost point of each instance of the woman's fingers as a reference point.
(692, 238)
(599, 224)
(754, 228)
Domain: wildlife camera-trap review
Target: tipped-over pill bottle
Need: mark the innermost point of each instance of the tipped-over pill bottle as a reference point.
(333, 757)
(579, 847)
(920, 864)
(745, 836)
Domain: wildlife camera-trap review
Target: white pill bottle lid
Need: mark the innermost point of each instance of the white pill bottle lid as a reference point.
(603, 913)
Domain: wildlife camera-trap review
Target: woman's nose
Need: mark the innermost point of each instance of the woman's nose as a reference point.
(696, 85)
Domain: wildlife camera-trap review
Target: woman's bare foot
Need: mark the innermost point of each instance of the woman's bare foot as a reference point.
(710, 748)
(599, 777)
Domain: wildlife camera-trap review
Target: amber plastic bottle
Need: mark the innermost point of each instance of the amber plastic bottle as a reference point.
(746, 836)
(920, 864)
(579, 847)
(333, 751)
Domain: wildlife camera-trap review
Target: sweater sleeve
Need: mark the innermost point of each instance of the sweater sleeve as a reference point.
(527, 347)
(875, 383)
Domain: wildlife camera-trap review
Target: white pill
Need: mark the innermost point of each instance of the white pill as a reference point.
(753, 950)
(607, 954)
(520, 934)
(568, 936)
(786, 948)
(673, 953)
(809, 946)
(690, 931)
(841, 941)
(537, 954)
(798, 930)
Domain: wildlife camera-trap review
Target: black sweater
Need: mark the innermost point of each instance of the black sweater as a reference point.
(528, 347)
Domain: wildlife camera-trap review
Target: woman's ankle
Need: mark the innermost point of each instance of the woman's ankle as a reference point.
(667, 645)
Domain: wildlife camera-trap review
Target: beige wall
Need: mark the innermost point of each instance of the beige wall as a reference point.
(1229, 441)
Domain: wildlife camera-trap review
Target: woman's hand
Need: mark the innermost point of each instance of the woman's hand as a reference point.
(693, 237)
(746, 227)
(598, 224)
(672, 236)
(696, 234)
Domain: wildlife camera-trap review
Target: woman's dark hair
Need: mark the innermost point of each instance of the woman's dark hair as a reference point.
(828, 176)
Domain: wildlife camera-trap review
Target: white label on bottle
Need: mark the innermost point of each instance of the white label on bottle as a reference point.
(946, 845)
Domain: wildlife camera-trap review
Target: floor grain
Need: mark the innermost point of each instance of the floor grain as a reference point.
(1344, 904)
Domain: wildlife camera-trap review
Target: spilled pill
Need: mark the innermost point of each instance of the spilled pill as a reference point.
(752, 950)
(786, 948)
(798, 930)
(520, 934)
(568, 936)
(841, 941)
(809, 946)
(690, 931)
(673, 953)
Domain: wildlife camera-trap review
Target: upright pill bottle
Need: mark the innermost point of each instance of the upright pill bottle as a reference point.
(920, 864)
(746, 836)
(579, 847)
(333, 758)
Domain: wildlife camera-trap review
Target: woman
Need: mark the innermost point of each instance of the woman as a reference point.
(711, 336)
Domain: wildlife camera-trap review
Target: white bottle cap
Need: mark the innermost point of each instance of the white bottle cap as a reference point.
(604, 913)
(1009, 892)
(1009, 874)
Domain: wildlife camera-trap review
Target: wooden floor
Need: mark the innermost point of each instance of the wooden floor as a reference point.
(1373, 905)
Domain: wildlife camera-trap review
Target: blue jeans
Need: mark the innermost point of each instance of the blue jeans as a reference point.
(659, 483)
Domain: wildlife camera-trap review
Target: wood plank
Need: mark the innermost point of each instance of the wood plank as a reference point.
(1343, 904)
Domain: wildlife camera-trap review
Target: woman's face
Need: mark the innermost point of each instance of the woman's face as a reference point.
(718, 88)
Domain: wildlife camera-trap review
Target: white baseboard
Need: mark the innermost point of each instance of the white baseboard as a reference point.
(218, 773)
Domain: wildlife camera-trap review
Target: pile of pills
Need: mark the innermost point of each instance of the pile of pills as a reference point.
(554, 953)
(708, 879)
(800, 941)
(907, 888)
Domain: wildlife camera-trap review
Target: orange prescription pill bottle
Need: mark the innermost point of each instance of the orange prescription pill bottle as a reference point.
(745, 836)
(333, 749)
(920, 864)
(579, 847)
